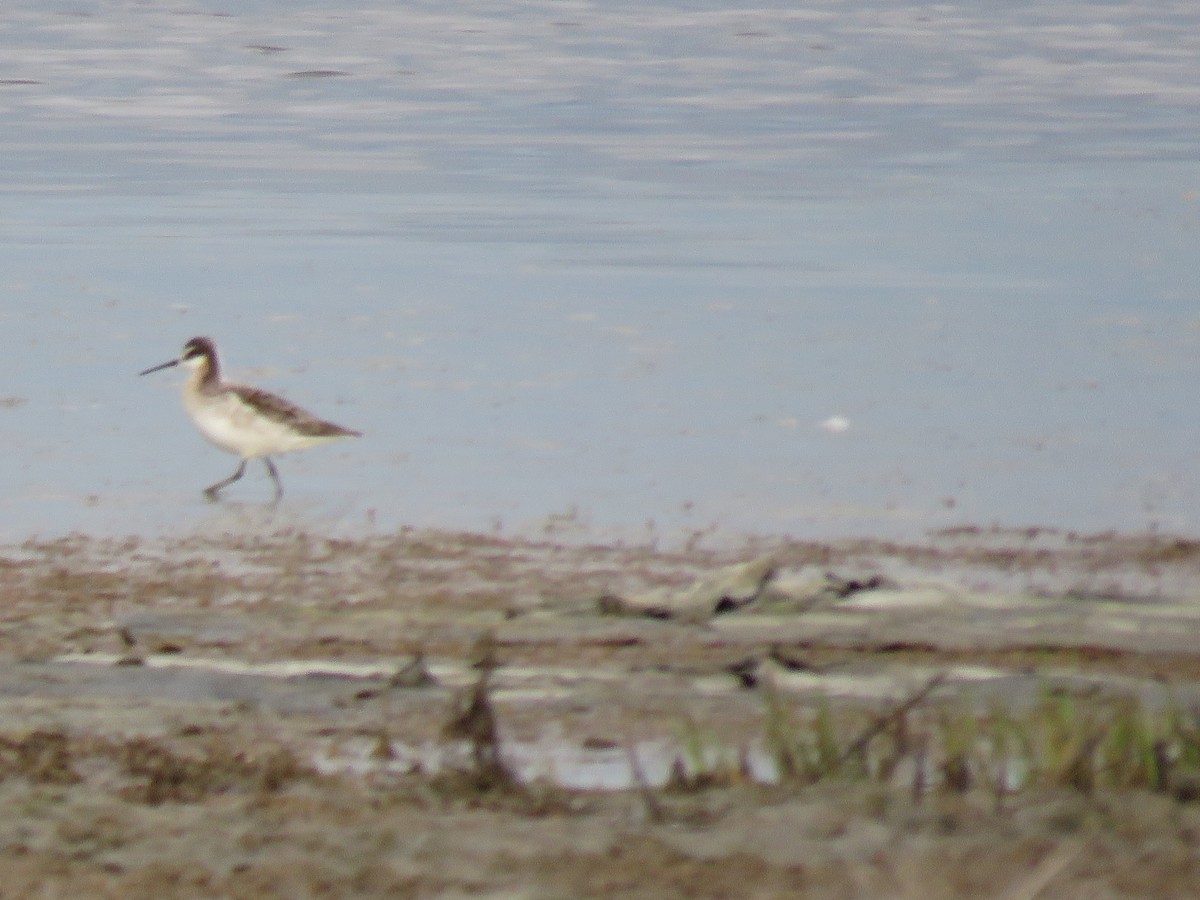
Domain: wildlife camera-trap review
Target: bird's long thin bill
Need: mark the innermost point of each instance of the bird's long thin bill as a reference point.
(159, 368)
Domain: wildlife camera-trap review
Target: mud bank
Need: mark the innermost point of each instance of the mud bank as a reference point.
(297, 715)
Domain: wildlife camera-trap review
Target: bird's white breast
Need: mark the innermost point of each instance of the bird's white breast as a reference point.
(235, 426)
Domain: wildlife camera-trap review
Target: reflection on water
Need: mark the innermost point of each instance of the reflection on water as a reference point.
(608, 266)
(648, 764)
(563, 764)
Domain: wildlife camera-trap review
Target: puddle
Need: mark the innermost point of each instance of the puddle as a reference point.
(562, 764)
(575, 767)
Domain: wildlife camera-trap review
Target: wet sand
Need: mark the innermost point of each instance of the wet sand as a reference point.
(290, 715)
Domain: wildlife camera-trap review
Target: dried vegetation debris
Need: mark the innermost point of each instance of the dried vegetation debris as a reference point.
(152, 770)
(162, 774)
(756, 586)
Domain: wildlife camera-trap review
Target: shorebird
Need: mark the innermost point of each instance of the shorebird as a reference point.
(247, 421)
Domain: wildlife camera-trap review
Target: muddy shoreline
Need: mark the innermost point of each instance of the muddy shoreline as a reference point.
(270, 715)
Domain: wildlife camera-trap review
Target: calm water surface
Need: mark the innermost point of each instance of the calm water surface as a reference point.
(856, 268)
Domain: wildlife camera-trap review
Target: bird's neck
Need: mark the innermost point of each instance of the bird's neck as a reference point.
(204, 377)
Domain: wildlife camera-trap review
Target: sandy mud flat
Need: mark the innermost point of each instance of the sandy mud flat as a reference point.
(436, 714)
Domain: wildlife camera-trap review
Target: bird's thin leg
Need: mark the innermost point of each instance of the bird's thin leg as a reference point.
(212, 490)
(274, 477)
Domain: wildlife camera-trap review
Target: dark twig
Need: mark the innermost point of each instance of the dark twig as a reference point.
(654, 810)
(882, 723)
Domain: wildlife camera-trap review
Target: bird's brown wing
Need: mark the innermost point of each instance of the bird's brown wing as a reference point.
(287, 413)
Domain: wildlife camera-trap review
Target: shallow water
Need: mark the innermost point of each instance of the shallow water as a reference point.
(558, 763)
(864, 267)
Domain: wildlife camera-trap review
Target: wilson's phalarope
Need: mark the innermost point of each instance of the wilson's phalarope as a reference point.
(247, 421)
